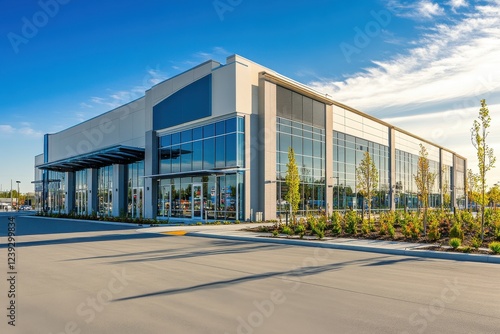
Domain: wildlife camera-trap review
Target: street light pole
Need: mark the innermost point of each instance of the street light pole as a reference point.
(18, 194)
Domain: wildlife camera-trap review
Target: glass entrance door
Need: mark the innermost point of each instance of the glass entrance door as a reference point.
(165, 202)
(197, 202)
(135, 206)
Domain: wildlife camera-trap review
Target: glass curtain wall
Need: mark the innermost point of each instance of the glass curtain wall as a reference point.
(207, 149)
(213, 146)
(300, 124)
(459, 183)
(105, 190)
(135, 192)
(407, 194)
(81, 196)
(348, 152)
(214, 197)
(56, 197)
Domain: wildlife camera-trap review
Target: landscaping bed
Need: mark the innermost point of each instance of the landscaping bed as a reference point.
(444, 230)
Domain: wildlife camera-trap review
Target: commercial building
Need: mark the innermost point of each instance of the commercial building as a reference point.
(212, 143)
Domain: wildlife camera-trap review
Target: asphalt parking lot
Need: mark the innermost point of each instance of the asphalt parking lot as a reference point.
(81, 277)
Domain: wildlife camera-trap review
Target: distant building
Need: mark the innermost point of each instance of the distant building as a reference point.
(6, 204)
(212, 143)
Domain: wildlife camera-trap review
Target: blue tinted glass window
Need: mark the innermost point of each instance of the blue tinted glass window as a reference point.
(231, 150)
(208, 153)
(165, 166)
(165, 141)
(241, 124)
(181, 107)
(176, 159)
(186, 136)
(186, 157)
(209, 130)
(220, 152)
(219, 128)
(316, 149)
(297, 144)
(307, 147)
(197, 155)
(231, 125)
(197, 133)
(176, 138)
(241, 150)
(285, 142)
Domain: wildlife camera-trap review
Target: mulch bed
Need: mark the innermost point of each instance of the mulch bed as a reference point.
(440, 245)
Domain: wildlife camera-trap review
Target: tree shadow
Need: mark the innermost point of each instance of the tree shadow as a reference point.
(287, 274)
(98, 238)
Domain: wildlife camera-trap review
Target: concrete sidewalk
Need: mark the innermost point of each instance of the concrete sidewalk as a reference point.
(236, 232)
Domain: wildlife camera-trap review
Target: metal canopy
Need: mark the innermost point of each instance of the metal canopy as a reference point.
(106, 157)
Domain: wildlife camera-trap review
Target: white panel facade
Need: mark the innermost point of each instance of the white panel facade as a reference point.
(224, 90)
(357, 125)
(125, 125)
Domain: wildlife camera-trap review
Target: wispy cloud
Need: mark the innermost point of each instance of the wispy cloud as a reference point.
(115, 98)
(6, 129)
(433, 89)
(455, 4)
(419, 10)
(25, 129)
(217, 53)
(152, 76)
(449, 64)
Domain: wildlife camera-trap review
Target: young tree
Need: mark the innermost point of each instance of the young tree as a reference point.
(292, 180)
(424, 180)
(445, 191)
(486, 158)
(367, 179)
(494, 195)
(472, 188)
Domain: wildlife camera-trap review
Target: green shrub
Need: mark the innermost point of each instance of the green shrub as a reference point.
(365, 226)
(476, 242)
(433, 233)
(467, 249)
(495, 247)
(300, 229)
(457, 232)
(276, 233)
(320, 233)
(496, 230)
(383, 228)
(311, 222)
(321, 223)
(351, 222)
(287, 230)
(467, 219)
(336, 221)
(455, 242)
(391, 230)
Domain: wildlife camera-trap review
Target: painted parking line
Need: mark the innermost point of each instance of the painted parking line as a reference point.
(180, 232)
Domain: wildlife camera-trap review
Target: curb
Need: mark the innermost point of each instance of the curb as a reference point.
(401, 252)
(131, 225)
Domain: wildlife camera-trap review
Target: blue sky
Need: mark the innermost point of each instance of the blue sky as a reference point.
(421, 65)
